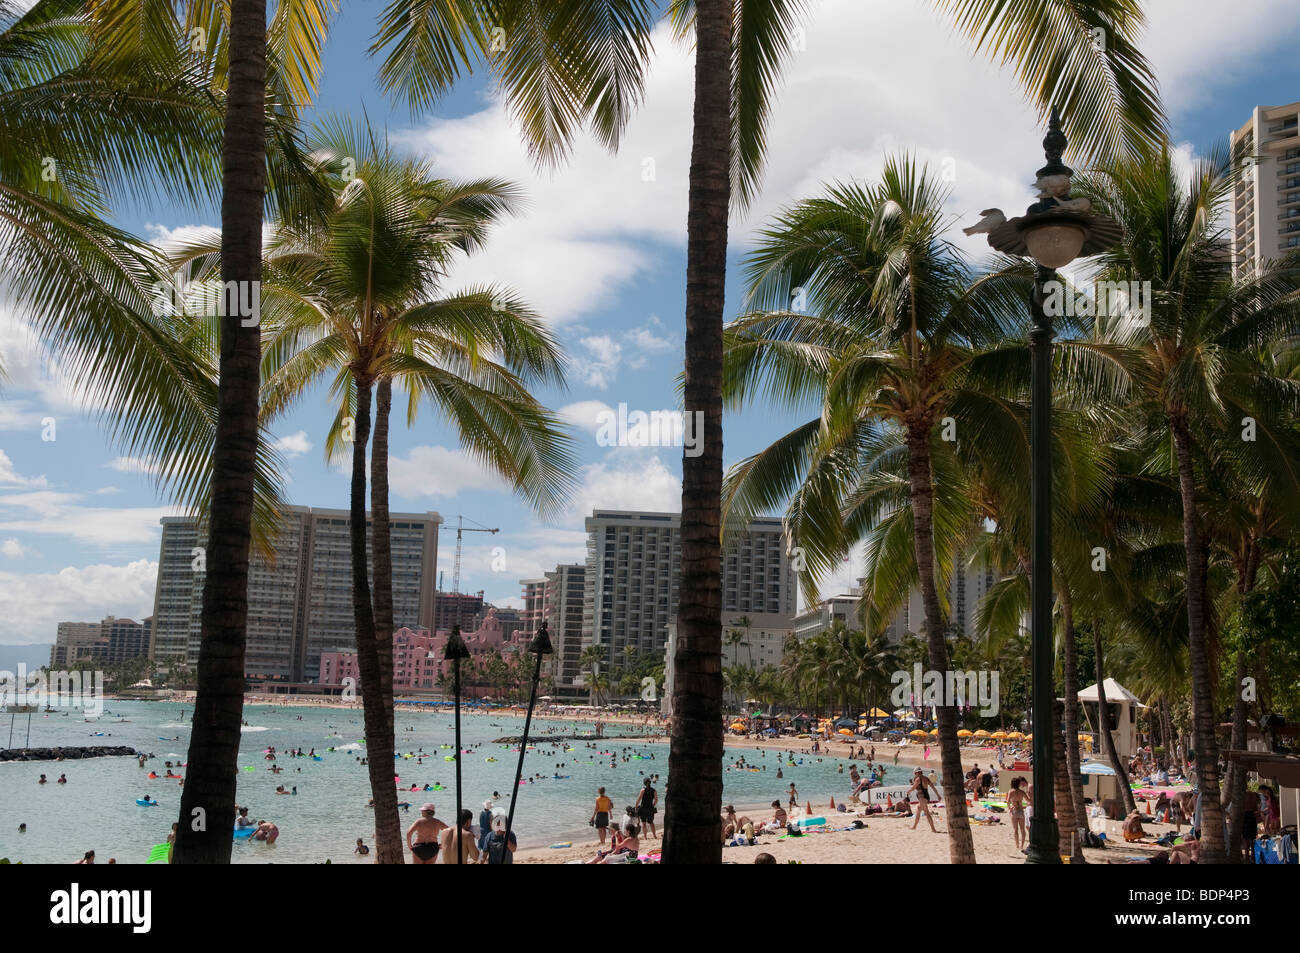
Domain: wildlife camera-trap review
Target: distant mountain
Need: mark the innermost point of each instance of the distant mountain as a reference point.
(34, 655)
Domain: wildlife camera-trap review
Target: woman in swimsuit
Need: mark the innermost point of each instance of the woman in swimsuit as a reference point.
(1016, 801)
(922, 786)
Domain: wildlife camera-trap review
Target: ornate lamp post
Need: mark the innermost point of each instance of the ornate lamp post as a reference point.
(539, 646)
(1053, 232)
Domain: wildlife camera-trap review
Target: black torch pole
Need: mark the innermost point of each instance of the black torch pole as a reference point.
(541, 645)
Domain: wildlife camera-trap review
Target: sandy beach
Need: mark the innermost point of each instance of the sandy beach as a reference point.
(884, 840)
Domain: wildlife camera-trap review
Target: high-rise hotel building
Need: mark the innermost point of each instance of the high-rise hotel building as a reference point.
(300, 598)
(633, 568)
(1266, 199)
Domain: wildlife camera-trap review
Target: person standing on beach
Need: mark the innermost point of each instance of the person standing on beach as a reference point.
(468, 849)
(600, 816)
(646, 807)
(1016, 801)
(424, 847)
(922, 786)
(794, 798)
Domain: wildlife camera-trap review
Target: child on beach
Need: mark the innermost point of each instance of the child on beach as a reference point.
(794, 797)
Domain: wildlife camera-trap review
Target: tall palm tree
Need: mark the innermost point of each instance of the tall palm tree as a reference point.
(1200, 374)
(353, 291)
(232, 60)
(901, 335)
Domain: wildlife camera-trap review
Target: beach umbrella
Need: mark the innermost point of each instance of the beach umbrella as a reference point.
(934, 731)
(877, 713)
(1096, 767)
(539, 646)
(846, 731)
(1016, 735)
(998, 734)
(917, 733)
(964, 733)
(981, 734)
(457, 651)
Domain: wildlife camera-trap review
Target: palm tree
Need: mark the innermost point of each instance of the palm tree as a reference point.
(351, 290)
(590, 659)
(354, 293)
(903, 335)
(1199, 375)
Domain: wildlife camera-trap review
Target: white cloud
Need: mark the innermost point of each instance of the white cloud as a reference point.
(294, 444)
(598, 367)
(33, 604)
(627, 481)
(55, 513)
(585, 415)
(13, 549)
(439, 472)
(169, 238)
(10, 477)
(146, 465)
(875, 79)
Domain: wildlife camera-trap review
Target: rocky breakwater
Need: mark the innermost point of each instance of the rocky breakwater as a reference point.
(65, 754)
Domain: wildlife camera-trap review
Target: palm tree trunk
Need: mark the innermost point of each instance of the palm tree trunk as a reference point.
(1068, 822)
(693, 803)
(1236, 786)
(1236, 783)
(379, 734)
(388, 830)
(961, 845)
(207, 814)
(1070, 713)
(1103, 726)
(1198, 651)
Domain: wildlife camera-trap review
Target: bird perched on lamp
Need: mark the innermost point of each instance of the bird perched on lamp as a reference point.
(993, 217)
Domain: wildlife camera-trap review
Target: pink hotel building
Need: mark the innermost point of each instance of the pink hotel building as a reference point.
(417, 655)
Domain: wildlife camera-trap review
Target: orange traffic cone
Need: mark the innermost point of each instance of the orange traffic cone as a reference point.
(832, 802)
(808, 808)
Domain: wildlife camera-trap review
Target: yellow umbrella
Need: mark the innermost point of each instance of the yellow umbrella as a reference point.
(846, 731)
(964, 733)
(1015, 734)
(934, 731)
(981, 734)
(998, 734)
(917, 733)
(877, 713)
(1085, 737)
(1029, 737)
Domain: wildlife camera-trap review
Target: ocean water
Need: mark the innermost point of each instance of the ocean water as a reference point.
(96, 809)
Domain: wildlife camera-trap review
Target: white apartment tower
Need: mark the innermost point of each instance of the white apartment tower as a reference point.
(1266, 199)
(633, 568)
(299, 599)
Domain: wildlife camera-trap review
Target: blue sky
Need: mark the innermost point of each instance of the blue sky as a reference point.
(601, 253)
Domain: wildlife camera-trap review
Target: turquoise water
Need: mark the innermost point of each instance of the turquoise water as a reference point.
(96, 809)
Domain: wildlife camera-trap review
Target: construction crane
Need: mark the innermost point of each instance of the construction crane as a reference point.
(461, 529)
